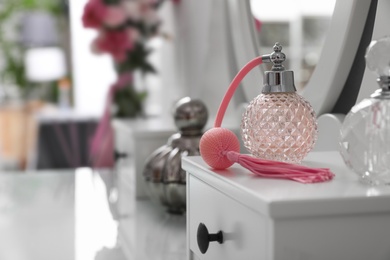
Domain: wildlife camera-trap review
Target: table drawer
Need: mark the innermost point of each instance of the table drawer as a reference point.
(245, 231)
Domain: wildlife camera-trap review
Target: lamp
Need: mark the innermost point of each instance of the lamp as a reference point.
(45, 64)
(38, 29)
(44, 61)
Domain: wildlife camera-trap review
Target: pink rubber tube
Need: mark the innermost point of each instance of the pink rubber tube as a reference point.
(232, 89)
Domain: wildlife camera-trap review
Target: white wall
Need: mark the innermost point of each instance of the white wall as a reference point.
(202, 62)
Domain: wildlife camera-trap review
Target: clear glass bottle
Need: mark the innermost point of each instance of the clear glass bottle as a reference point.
(279, 124)
(365, 133)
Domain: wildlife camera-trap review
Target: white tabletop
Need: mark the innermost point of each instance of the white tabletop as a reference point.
(67, 216)
(286, 198)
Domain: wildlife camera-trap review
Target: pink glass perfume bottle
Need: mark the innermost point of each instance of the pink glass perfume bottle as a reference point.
(279, 124)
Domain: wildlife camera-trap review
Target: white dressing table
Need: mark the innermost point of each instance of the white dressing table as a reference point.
(279, 219)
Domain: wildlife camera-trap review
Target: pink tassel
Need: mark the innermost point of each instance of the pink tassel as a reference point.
(280, 170)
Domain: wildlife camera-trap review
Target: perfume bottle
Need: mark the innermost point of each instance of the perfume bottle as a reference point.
(365, 133)
(279, 124)
(164, 178)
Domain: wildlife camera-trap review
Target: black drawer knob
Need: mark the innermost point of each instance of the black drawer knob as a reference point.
(204, 238)
(119, 155)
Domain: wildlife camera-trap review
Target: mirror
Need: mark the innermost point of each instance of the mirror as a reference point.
(300, 26)
(336, 58)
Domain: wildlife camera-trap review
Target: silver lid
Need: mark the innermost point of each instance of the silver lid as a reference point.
(190, 116)
(384, 91)
(278, 79)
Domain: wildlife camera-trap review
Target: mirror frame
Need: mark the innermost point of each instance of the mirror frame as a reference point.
(336, 60)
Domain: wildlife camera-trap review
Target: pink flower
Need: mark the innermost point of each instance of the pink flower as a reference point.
(94, 14)
(258, 24)
(148, 2)
(134, 34)
(115, 16)
(94, 47)
(150, 16)
(132, 9)
(116, 43)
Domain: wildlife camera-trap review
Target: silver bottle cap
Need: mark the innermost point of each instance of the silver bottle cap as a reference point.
(278, 79)
(384, 91)
(377, 60)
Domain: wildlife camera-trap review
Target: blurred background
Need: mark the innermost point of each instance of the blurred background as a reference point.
(35, 72)
(94, 83)
(54, 84)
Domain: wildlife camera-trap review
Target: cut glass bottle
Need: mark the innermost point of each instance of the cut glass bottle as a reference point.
(279, 124)
(365, 133)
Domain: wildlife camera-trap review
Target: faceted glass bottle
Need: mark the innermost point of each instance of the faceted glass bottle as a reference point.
(365, 133)
(279, 124)
(365, 140)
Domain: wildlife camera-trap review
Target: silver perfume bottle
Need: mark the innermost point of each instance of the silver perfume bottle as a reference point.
(365, 133)
(164, 177)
